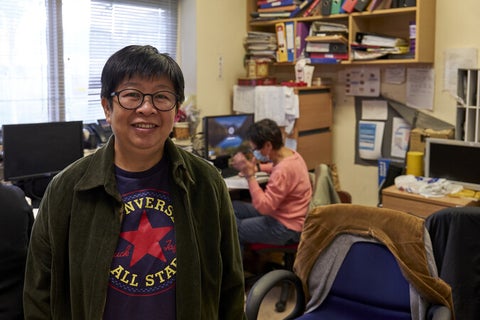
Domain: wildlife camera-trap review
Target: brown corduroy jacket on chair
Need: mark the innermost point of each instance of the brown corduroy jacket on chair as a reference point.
(401, 232)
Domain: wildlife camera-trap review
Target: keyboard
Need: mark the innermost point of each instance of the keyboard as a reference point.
(229, 172)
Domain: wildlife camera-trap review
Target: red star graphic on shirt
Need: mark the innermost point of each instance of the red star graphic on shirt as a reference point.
(146, 240)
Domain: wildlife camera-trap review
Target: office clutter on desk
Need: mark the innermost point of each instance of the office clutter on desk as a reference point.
(188, 113)
(427, 187)
(96, 133)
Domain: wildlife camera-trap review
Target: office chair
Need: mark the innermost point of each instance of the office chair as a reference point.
(323, 194)
(456, 247)
(359, 262)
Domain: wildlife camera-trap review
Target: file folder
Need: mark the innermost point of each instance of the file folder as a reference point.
(281, 42)
(302, 32)
(310, 8)
(361, 5)
(336, 5)
(290, 40)
(326, 7)
(349, 5)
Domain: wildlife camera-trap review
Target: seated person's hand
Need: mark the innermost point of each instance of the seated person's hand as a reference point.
(246, 167)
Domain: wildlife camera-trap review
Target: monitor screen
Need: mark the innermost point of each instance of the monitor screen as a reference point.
(40, 149)
(225, 135)
(454, 160)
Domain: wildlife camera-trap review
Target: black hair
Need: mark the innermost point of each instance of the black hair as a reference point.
(263, 131)
(144, 61)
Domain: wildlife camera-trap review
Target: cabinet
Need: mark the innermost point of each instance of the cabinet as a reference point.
(392, 198)
(392, 22)
(313, 129)
(468, 106)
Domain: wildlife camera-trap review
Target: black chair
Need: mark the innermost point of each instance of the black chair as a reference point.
(455, 234)
(352, 263)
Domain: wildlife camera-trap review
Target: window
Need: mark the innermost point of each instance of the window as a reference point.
(53, 52)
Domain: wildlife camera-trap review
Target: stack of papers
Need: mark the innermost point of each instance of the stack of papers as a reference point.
(322, 27)
(379, 40)
(239, 182)
(373, 46)
(261, 45)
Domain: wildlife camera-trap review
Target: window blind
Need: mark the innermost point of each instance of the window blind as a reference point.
(53, 52)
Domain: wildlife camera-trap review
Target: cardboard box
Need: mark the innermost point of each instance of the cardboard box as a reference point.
(418, 136)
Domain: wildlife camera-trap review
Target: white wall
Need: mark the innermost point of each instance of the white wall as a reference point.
(221, 27)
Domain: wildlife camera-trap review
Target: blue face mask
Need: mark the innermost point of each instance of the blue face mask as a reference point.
(260, 157)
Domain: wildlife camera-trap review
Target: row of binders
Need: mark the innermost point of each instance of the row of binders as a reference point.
(284, 9)
(323, 42)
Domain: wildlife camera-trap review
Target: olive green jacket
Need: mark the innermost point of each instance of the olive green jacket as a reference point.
(77, 228)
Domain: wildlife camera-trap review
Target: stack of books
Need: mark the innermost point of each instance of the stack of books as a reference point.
(327, 42)
(279, 9)
(260, 46)
(368, 46)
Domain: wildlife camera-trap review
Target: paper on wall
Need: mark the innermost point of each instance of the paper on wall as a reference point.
(395, 75)
(370, 139)
(457, 58)
(400, 137)
(362, 82)
(374, 109)
(244, 99)
(420, 88)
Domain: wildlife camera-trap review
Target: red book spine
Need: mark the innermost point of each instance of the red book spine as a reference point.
(310, 8)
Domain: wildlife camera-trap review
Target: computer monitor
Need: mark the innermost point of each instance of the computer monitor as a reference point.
(225, 135)
(33, 153)
(454, 160)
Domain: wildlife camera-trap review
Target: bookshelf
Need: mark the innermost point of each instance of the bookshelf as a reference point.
(468, 106)
(392, 22)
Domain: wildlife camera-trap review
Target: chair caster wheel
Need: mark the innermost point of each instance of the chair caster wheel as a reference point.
(280, 306)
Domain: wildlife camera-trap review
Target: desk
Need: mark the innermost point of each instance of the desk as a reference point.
(392, 198)
(238, 182)
(238, 186)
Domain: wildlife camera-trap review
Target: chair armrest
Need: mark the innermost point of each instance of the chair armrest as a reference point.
(267, 282)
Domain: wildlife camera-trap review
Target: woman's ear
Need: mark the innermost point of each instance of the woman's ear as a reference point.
(107, 110)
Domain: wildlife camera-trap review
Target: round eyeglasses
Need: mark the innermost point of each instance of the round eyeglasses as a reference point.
(132, 99)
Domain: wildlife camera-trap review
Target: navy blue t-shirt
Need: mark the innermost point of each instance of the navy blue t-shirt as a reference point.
(143, 270)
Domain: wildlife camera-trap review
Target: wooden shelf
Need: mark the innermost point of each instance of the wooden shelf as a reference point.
(392, 22)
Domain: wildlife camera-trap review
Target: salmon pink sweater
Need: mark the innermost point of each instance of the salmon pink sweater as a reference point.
(287, 194)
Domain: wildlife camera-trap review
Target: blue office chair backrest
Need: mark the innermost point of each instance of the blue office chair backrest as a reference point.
(368, 285)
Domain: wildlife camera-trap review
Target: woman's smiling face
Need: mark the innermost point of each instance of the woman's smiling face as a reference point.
(145, 129)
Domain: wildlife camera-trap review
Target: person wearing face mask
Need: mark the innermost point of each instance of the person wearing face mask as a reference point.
(276, 213)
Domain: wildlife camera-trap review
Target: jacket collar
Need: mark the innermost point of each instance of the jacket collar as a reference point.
(101, 173)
